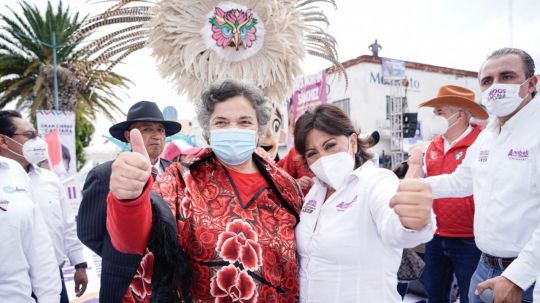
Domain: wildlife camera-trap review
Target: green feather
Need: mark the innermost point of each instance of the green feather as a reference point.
(214, 22)
(250, 25)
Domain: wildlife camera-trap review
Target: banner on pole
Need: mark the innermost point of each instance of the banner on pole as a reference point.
(58, 129)
(393, 69)
(308, 91)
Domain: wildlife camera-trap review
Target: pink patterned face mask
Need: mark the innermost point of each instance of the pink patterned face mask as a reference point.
(502, 99)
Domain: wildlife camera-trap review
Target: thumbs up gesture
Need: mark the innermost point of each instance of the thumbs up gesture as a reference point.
(412, 203)
(131, 170)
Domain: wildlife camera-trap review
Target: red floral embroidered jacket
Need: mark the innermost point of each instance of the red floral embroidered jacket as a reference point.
(239, 253)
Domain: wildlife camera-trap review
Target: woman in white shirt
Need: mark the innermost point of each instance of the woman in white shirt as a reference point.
(349, 239)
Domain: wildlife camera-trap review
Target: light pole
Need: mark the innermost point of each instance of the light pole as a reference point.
(53, 46)
(55, 71)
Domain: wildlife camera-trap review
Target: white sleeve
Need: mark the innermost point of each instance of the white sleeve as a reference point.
(457, 184)
(44, 271)
(526, 268)
(72, 244)
(384, 186)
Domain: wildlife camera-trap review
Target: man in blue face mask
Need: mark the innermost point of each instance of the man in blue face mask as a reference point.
(502, 170)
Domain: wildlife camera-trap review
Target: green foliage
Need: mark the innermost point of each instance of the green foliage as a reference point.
(25, 48)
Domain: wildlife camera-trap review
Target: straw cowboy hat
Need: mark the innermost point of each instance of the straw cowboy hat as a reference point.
(144, 111)
(457, 96)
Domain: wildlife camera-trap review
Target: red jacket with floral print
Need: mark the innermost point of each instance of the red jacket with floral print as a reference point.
(242, 253)
(455, 216)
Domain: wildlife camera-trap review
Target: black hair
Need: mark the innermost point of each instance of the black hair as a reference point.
(7, 127)
(331, 120)
(527, 60)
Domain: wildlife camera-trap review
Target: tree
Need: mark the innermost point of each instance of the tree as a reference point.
(26, 70)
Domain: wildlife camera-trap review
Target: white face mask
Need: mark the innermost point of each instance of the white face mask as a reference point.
(439, 124)
(334, 169)
(34, 150)
(502, 99)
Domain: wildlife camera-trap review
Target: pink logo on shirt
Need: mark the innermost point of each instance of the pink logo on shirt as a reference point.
(343, 206)
(518, 154)
(309, 206)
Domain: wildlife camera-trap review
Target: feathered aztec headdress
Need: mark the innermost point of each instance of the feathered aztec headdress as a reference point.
(198, 42)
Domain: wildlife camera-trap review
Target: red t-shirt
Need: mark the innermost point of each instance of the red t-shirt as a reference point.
(247, 185)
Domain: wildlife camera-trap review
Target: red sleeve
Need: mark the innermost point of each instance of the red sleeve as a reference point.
(288, 164)
(129, 222)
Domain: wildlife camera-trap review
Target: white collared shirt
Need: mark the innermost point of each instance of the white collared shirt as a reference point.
(350, 246)
(160, 169)
(51, 198)
(502, 170)
(448, 145)
(27, 257)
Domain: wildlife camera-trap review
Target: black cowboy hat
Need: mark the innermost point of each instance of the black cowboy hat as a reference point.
(144, 111)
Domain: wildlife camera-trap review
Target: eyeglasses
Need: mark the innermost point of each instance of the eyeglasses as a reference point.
(28, 134)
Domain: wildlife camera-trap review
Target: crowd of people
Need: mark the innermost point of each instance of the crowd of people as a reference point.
(232, 222)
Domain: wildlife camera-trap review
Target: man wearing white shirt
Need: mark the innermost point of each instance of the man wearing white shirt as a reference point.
(502, 170)
(453, 250)
(21, 143)
(28, 264)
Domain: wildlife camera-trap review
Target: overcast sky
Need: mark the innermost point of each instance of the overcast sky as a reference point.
(449, 33)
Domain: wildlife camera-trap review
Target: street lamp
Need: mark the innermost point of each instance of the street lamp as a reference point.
(55, 71)
(53, 46)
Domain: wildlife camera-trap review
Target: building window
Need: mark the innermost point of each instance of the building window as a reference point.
(344, 104)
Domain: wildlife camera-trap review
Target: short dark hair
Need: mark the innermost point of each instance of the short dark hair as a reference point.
(331, 120)
(523, 55)
(7, 127)
(527, 60)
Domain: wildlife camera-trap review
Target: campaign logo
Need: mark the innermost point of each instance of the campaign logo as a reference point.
(10, 189)
(343, 206)
(519, 155)
(497, 94)
(459, 155)
(484, 154)
(309, 206)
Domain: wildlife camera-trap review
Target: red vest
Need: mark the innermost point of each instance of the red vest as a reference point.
(454, 215)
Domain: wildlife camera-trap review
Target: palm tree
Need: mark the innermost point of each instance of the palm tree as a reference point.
(26, 58)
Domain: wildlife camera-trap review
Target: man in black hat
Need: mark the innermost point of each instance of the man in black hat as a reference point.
(118, 269)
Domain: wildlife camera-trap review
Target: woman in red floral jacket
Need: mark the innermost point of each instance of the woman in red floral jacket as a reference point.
(235, 211)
